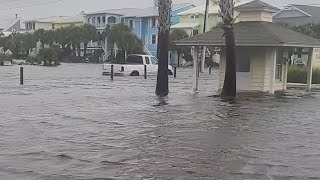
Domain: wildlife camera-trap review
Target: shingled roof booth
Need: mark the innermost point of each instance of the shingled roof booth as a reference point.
(262, 50)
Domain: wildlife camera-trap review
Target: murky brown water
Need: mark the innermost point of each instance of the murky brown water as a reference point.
(71, 123)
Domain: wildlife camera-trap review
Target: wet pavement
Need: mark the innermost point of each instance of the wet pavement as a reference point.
(70, 122)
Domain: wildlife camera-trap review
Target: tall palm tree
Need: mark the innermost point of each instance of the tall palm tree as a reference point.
(164, 8)
(230, 81)
(88, 33)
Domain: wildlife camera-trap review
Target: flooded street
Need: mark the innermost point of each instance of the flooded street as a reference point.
(70, 122)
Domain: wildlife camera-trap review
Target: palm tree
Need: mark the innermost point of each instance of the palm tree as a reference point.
(164, 8)
(230, 83)
(88, 33)
(125, 39)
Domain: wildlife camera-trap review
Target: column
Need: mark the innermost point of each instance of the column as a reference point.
(203, 58)
(195, 69)
(273, 67)
(309, 69)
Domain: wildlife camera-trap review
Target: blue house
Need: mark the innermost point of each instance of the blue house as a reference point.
(144, 23)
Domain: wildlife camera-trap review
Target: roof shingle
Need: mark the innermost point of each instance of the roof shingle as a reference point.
(263, 34)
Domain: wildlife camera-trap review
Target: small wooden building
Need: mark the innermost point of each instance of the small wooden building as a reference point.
(262, 49)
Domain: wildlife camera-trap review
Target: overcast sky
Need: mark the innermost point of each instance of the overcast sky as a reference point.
(30, 9)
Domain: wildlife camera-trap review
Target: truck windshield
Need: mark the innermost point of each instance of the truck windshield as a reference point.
(134, 59)
(154, 60)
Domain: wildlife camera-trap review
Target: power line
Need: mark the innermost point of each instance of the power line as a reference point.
(31, 5)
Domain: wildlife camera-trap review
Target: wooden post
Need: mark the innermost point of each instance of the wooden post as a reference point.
(203, 59)
(21, 75)
(310, 69)
(210, 69)
(111, 75)
(195, 69)
(175, 72)
(145, 71)
(273, 71)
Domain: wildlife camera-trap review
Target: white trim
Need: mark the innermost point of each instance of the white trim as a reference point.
(273, 71)
(294, 8)
(190, 4)
(310, 68)
(151, 38)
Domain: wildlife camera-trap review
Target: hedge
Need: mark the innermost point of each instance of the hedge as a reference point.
(298, 74)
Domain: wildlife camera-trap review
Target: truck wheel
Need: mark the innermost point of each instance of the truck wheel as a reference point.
(134, 73)
(170, 72)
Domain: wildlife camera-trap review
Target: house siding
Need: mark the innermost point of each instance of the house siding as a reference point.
(175, 19)
(256, 16)
(258, 67)
(260, 71)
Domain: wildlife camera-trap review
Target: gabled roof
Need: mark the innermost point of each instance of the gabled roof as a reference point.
(256, 5)
(60, 19)
(138, 12)
(6, 24)
(213, 9)
(309, 10)
(298, 15)
(263, 34)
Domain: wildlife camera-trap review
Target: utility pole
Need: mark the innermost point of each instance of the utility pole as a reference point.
(206, 16)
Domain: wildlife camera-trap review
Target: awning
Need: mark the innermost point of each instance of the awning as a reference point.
(185, 26)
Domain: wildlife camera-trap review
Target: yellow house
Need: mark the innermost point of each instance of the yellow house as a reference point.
(55, 22)
(263, 50)
(192, 20)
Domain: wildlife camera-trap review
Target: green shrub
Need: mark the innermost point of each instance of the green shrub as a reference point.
(298, 74)
(4, 57)
(49, 56)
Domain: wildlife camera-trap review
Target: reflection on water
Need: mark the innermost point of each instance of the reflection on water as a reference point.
(70, 122)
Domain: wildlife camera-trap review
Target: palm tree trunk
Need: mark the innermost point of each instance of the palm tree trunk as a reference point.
(85, 47)
(164, 8)
(230, 82)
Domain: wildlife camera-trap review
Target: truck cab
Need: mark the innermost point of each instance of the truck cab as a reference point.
(134, 66)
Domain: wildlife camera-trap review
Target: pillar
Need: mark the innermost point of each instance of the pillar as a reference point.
(203, 58)
(309, 69)
(273, 67)
(195, 79)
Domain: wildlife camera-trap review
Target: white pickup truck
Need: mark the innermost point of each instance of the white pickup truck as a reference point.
(134, 66)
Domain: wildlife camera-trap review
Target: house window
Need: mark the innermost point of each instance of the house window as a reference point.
(103, 19)
(99, 20)
(112, 20)
(122, 20)
(153, 39)
(195, 32)
(279, 62)
(194, 16)
(147, 60)
(154, 22)
(243, 60)
(131, 23)
(53, 26)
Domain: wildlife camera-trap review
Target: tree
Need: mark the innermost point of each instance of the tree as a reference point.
(177, 35)
(49, 55)
(125, 39)
(230, 83)
(312, 30)
(164, 8)
(88, 33)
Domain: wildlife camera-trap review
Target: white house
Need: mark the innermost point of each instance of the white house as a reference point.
(263, 49)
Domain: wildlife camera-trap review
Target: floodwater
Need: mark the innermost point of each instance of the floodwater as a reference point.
(69, 122)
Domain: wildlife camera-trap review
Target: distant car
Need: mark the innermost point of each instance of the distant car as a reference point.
(134, 66)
